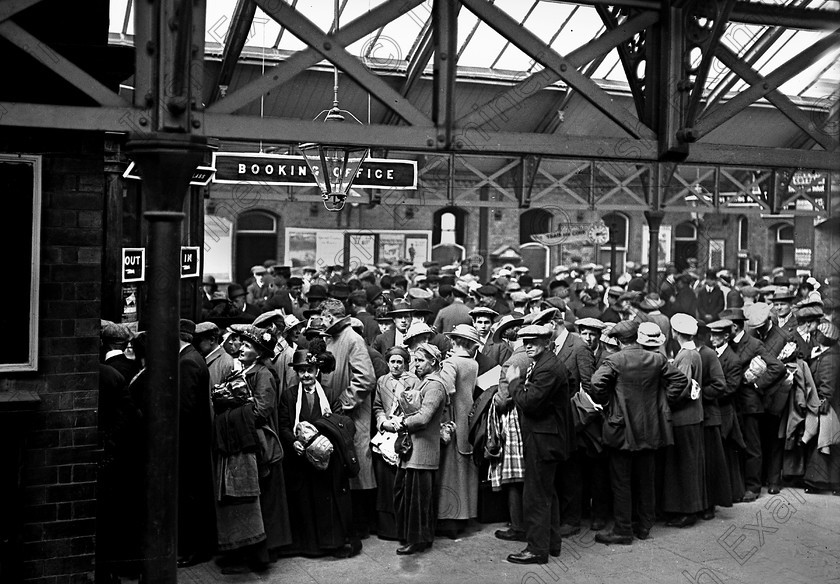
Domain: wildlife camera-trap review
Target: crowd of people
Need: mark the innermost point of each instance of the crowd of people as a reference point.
(319, 407)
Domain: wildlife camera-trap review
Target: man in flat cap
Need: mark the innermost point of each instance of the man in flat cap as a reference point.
(636, 386)
(541, 393)
(783, 346)
(114, 339)
(720, 332)
(455, 311)
(261, 289)
(196, 501)
(206, 341)
(482, 319)
(710, 298)
(750, 398)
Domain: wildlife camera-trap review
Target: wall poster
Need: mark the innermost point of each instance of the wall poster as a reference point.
(351, 249)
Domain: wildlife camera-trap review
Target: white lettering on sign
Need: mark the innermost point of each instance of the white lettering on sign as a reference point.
(241, 169)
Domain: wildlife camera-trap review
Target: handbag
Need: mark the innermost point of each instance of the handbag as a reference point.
(403, 444)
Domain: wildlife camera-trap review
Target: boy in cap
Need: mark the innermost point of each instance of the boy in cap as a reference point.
(541, 393)
(635, 386)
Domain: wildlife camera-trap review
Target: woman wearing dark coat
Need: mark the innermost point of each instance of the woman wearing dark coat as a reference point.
(252, 516)
(385, 403)
(414, 488)
(822, 469)
(320, 508)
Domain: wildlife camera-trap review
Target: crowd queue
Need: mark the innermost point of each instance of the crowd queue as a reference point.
(320, 407)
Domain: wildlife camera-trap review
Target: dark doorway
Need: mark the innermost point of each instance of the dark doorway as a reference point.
(256, 242)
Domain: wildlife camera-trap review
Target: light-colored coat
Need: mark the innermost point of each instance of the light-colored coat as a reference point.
(352, 383)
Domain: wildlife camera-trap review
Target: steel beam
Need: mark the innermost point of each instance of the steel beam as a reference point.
(241, 21)
(759, 13)
(302, 60)
(777, 98)
(535, 48)
(409, 138)
(11, 7)
(445, 27)
(309, 33)
(722, 113)
(514, 96)
(48, 57)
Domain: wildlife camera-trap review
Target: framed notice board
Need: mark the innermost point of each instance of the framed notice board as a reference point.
(20, 185)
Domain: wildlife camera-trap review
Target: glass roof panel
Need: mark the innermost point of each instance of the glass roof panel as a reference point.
(580, 24)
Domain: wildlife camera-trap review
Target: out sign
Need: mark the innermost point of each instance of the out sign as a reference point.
(190, 267)
(133, 264)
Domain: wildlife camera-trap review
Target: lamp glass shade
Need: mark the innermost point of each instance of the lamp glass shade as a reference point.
(334, 169)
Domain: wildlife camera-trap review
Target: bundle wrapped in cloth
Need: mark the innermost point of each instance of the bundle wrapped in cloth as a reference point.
(318, 447)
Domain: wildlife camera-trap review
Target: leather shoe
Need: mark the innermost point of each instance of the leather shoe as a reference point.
(567, 530)
(707, 515)
(682, 521)
(598, 524)
(413, 548)
(749, 496)
(510, 535)
(612, 537)
(526, 556)
(348, 550)
(641, 533)
(773, 490)
(192, 560)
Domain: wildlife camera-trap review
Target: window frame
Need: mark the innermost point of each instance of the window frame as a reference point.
(36, 162)
(268, 214)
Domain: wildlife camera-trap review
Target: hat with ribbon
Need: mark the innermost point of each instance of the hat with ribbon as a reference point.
(416, 329)
(734, 313)
(276, 316)
(651, 302)
(650, 335)
(506, 323)
(259, 337)
(464, 331)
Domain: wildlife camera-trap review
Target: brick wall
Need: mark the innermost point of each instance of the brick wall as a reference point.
(59, 474)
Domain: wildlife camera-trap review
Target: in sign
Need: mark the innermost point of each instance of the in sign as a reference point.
(133, 264)
(190, 266)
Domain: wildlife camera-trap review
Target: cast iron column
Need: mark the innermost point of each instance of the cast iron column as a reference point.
(166, 163)
(654, 219)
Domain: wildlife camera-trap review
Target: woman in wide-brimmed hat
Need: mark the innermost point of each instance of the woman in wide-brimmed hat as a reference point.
(385, 407)
(252, 516)
(414, 487)
(458, 475)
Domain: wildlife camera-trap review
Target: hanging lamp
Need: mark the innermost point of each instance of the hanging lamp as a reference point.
(334, 168)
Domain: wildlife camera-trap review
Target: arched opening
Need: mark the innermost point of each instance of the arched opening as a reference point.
(619, 226)
(784, 248)
(449, 222)
(685, 244)
(448, 235)
(535, 256)
(256, 241)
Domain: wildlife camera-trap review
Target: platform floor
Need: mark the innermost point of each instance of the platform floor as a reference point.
(793, 537)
